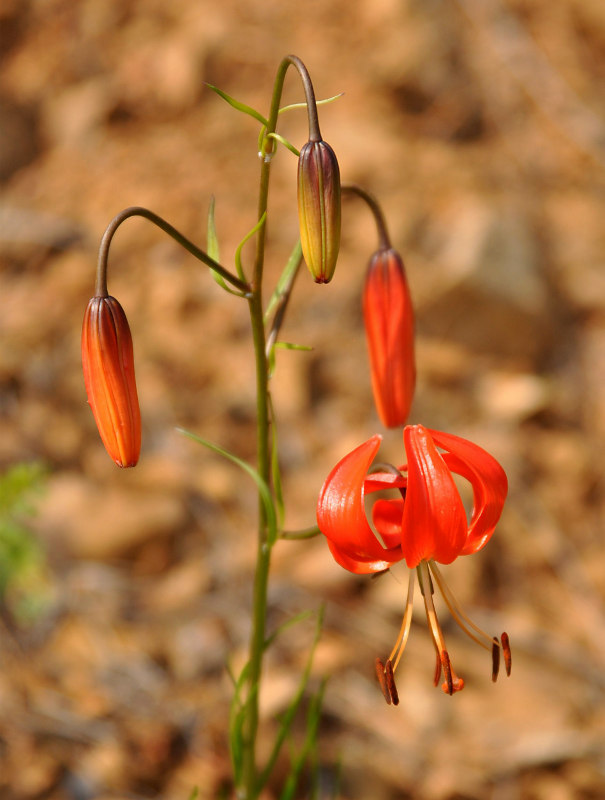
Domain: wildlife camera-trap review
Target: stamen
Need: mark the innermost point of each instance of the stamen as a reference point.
(390, 681)
(506, 652)
(406, 624)
(458, 614)
(448, 684)
(495, 660)
(380, 674)
(437, 676)
(452, 682)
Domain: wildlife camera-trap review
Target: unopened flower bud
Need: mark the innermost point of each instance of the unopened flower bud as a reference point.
(389, 324)
(319, 208)
(107, 360)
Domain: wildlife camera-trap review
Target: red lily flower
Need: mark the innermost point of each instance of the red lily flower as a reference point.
(426, 525)
(108, 364)
(389, 323)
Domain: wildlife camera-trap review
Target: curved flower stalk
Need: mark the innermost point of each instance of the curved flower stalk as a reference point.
(426, 525)
(108, 364)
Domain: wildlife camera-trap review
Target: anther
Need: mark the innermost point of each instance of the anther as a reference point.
(390, 682)
(452, 682)
(506, 652)
(382, 680)
(495, 659)
(448, 684)
(437, 676)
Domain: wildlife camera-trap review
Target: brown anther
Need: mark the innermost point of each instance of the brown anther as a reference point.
(448, 684)
(452, 682)
(495, 659)
(437, 676)
(390, 681)
(382, 680)
(506, 652)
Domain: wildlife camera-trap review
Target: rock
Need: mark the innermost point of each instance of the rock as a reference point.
(490, 293)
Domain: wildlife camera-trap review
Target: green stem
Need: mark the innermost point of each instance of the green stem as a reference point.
(248, 789)
(372, 203)
(138, 211)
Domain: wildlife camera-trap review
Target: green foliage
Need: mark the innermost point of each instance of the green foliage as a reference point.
(23, 582)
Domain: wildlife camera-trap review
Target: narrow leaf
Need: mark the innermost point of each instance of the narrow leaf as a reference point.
(285, 279)
(263, 489)
(285, 142)
(324, 102)
(309, 745)
(212, 247)
(292, 346)
(288, 717)
(247, 237)
(252, 112)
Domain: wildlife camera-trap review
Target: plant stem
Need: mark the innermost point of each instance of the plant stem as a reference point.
(372, 203)
(138, 211)
(248, 788)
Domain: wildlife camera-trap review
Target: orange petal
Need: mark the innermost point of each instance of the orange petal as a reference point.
(341, 514)
(434, 520)
(389, 324)
(108, 364)
(488, 480)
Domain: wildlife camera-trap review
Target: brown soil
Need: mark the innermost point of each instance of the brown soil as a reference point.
(479, 125)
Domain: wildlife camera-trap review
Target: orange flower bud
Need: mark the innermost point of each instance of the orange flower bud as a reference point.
(319, 208)
(389, 324)
(107, 360)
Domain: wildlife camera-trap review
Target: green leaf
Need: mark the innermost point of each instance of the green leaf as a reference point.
(285, 279)
(17, 487)
(237, 716)
(263, 489)
(213, 252)
(306, 533)
(309, 745)
(289, 623)
(212, 247)
(290, 713)
(247, 237)
(285, 142)
(324, 102)
(251, 112)
(292, 346)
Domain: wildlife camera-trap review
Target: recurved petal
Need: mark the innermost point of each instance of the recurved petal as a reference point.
(488, 480)
(358, 566)
(434, 521)
(108, 365)
(341, 514)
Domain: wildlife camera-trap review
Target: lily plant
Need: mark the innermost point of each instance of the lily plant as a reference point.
(425, 525)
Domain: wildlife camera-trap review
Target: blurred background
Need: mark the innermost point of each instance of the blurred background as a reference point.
(480, 126)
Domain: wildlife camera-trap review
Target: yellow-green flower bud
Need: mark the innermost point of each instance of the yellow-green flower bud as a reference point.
(319, 208)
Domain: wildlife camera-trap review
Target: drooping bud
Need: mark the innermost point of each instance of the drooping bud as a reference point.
(389, 323)
(108, 364)
(319, 208)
